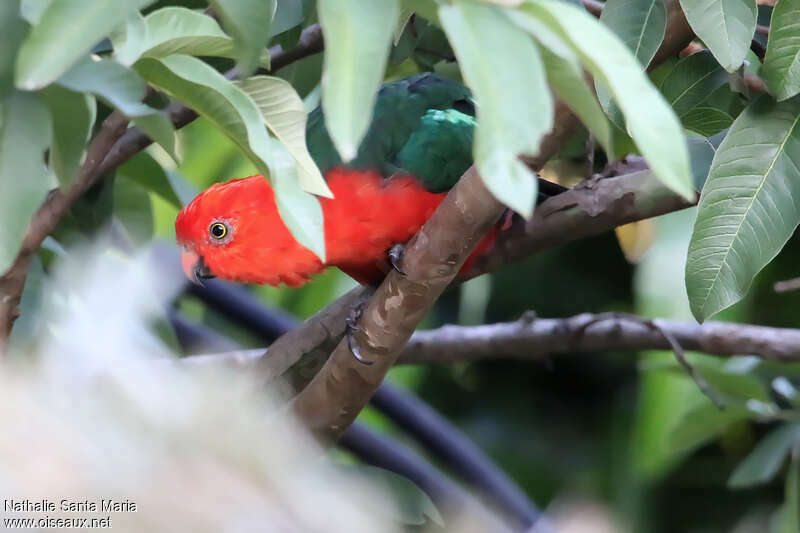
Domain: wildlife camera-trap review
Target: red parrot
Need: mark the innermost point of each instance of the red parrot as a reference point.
(417, 147)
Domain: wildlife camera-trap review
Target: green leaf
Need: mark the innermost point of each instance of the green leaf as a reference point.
(107, 79)
(789, 513)
(515, 108)
(145, 171)
(134, 210)
(13, 30)
(567, 80)
(748, 208)
(640, 24)
(160, 129)
(703, 423)
(701, 154)
(32, 10)
(299, 210)
(25, 134)
(766, 458)
(67, 30)
(123, 89)
(177, 30)
(249, 22)
(725, 26)
(128, 40)
(73, 117)
(283, 113)
(781, 69)
(691, 82)
(205, 90)
(357, 38)
(706, 121)
(650, 121)
(288, 14)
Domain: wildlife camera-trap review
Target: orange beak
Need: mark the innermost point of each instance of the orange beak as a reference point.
(194, 267)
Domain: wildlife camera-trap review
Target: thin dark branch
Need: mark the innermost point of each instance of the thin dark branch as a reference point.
(535, 338)
(448, 444)
(453, 501)
(532, 338)
(310, 43)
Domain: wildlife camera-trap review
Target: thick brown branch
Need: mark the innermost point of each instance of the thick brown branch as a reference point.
(591, 208)
(335, 396)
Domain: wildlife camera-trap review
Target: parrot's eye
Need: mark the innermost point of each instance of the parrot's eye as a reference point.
(218, 230)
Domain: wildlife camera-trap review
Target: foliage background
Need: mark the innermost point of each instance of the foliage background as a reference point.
(626, 431)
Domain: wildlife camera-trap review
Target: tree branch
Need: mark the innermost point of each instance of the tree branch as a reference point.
(534, 338)
(593, 207)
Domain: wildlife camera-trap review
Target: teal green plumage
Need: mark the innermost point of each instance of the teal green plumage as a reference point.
(421, 125)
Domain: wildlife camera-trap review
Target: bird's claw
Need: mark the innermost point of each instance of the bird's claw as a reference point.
(352, 326)
(395, 253)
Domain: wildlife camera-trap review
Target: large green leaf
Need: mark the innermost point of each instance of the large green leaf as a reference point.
(357, 38)
(749, 207)
(781, 69)
(650, 121)
(706, 121)
(788, 515)
(766, 458)
(515, 108)
(107, 79)
(691, 82)
(639, 23)
(128, 39)
(124, 89)
(67, 30)
(233, 112)
(145, 171)
(283, 112)
(13, 30)
(288, 14)
(701, 154)
(299, 210)
(73, 116)
(175, 30)
(134, 210)
(25, 134)
(703, 423)
(566, 78)
(249, 22)
(726, 26)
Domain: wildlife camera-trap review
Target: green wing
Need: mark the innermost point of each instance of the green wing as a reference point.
(422, 125)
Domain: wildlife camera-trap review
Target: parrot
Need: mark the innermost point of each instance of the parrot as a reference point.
(416, 148)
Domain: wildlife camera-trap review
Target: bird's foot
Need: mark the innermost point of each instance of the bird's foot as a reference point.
(352, 326)
(395, 253)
